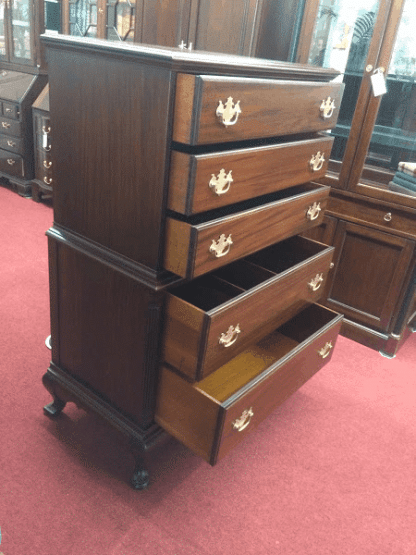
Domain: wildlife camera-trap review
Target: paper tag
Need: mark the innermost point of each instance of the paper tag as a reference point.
(378, 83)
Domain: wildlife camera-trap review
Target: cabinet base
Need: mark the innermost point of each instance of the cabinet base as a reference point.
(22, 187)
(41, 191)
(387, 345)
(64, 388)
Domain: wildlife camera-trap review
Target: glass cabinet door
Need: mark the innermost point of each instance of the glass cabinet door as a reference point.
(340, 38)
(121, 20)
(16, 34)
(3, 31)
(83, 18)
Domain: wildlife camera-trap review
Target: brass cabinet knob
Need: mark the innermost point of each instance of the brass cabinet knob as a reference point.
(327, 107)
(325, 351)
(47, 180)
(46, 129)
(11, 162)
(11, 143)
(316, 282)
(222, 246)
(47, 164)
(5, 125)
(317, 161)
(387, 217)
(244, 420)
(313, 211)
(228, 113)
(230, 337)
(221, 183)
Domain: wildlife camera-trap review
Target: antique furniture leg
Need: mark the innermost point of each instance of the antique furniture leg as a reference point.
(56, 407)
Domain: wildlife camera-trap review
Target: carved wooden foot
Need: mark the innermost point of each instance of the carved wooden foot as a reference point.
(140, 478)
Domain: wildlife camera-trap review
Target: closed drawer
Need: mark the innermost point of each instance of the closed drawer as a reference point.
(214, 415)
(11, 164)
(384, 217)
(42, 124)
(198, 183)
(211, 319)
(10, 127)
(10, 110)
(43, 168)
(202, 244)
(211, 109)
(12, 144)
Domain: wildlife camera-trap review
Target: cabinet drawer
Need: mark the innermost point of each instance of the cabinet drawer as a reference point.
(10, 110)
(10, 127)
(268, 108)
(213, 318)
(43, 168)
(204, 243)
(12, 144)
(214, 415)
(11, 163)
(198, 183)
(42, 124)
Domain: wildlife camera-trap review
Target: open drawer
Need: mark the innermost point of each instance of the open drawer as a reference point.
(200, 244)
(210, 320)
(212, 416)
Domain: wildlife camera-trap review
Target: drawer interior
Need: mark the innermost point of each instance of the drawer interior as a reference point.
(259, 358)
(212, 290)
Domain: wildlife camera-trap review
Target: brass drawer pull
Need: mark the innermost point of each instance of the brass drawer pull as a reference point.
(316, 282)
(222, 246)
(230, 337)
(47, 164)
(387, 217)
(46, 130)
(47, 180)
(317, 161)
(9, 110)
(313, 211)
(221, 183)
(5, 125)
(229, 113)
(324, 352)
(244, 420)
(11, 162)
(11, 143)
(47, 148)
(327, 107)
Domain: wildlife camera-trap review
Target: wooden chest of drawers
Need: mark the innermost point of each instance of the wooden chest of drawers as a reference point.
(17, 92)
(182, 297)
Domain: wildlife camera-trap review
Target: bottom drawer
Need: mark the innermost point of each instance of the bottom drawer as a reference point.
(11, 164)
(213, 415)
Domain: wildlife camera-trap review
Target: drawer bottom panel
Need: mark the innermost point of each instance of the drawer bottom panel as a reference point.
(212, 416)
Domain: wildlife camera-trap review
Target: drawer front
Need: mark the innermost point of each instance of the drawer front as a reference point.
(268, 288)
(44, 168)
(42, 124)
(204, 182)
(12, 144)
(11, 164)
(212, 109)
(193, 250)
(10, 110)
(385, 218)
(212, 416)
(10, 127)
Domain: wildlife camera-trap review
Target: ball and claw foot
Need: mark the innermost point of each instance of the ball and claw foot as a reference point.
(55, 408)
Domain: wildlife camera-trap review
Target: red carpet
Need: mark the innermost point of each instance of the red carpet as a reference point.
(332, 472)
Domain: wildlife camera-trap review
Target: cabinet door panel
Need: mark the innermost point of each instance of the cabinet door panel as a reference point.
(370, 269)
(165, 22)
(224, 26)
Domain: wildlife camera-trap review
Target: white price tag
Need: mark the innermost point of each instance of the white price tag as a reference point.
(378, 83)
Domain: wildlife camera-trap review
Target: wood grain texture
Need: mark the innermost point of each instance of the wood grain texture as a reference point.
(195, 351)
(251, 230)
(269, 108)
(255, 171)
(271, 370)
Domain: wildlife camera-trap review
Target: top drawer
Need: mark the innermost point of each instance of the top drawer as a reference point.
(10, 110)
(211, 109)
